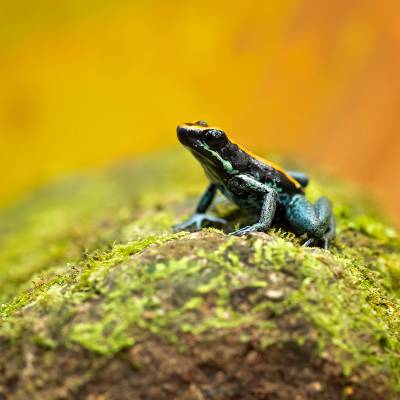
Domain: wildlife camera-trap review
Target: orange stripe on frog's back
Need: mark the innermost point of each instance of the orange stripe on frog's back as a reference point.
(273, 165)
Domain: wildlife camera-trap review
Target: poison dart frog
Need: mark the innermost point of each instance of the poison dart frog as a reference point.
(256, 185)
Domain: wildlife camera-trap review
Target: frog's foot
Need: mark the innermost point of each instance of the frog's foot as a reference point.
(328, 236)
(315, 220)
(197, 220)
(247, 229)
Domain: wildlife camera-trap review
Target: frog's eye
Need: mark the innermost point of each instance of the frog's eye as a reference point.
(216, 138)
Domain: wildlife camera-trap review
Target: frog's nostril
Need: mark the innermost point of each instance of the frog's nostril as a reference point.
(201, 123)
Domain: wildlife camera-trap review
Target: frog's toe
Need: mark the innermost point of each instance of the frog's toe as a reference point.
(245, 230)
(308, 242)
(201, 218)
(215, 220)
(182, 226)
(197, 220)
(326, 239)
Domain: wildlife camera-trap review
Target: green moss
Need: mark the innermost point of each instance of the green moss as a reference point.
(79, 273)
(56, 226)
(81, 279)
(345, 304)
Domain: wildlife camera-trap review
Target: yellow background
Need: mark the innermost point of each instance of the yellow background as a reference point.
(83, 83)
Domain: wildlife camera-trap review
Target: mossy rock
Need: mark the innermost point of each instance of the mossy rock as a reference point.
(102, 301)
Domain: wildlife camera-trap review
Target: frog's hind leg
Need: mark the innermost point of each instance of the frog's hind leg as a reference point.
(300, 177)
(316, 220)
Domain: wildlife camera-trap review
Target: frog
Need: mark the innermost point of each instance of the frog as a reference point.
(256, 185)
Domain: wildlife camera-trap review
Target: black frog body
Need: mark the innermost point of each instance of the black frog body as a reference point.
(254, 184)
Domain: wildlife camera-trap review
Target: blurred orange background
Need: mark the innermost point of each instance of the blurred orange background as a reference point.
(83, 83)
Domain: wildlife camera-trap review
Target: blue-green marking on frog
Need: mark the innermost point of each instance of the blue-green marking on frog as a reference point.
(226, 164)
(255, 185)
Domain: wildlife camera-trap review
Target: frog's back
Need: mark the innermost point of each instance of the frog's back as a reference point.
(271, 174)
(264, 172)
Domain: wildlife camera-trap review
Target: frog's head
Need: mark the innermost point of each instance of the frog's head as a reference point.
(216, 153)
(199, 136)
(209, 145)
(205, 142)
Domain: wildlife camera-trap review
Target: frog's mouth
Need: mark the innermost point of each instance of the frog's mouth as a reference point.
(191, 138)
(190, 135)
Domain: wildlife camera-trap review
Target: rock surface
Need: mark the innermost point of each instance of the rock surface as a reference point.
(101, 301)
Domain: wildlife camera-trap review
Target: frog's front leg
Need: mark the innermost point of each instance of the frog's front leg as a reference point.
(268, 207)
(200, 215)
(315, 220)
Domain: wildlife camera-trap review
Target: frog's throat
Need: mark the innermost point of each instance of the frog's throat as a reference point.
(227, 165)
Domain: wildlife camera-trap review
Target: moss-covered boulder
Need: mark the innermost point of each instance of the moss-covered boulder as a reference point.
(101, 301)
